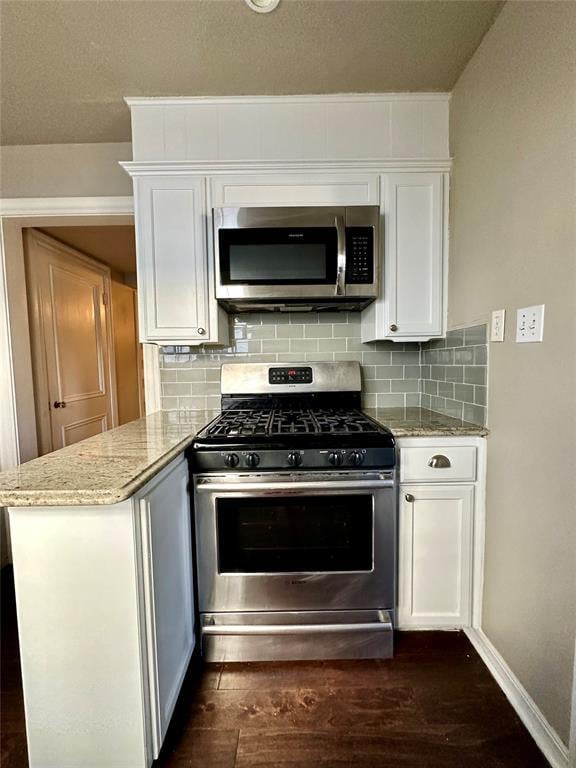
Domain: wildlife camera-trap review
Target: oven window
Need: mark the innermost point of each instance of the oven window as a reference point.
(278, 256)
(295, 535)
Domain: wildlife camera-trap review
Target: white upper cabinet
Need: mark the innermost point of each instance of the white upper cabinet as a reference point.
(176, 303)
(191, 154)
(411, 304)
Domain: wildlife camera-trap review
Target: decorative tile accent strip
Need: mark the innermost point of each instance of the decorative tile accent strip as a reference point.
(391, 371)
(454, 374)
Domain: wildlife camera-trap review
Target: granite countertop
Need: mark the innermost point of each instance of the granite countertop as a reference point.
(110, 467)
(104, 469)
(420, 422)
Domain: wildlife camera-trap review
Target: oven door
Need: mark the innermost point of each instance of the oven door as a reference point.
(277, 253)
(270, 543)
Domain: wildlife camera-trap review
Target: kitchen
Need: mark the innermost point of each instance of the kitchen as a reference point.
(368, 385)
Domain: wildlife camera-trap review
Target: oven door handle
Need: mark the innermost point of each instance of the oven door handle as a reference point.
(341, 265)
(292, 489)
(385, 625)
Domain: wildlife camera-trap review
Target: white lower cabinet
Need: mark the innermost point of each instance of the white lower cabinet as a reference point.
(106, 623)
(441, 530)
(167, 592)
(435, 555)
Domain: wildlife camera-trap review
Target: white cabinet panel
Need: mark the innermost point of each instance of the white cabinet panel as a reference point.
(332, 127)
(168, 595)
(435, 555)
(411, 306)
(174, 300)
(295, 189)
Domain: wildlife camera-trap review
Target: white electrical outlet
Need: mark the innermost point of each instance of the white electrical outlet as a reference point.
(497, 327)
(530, 324)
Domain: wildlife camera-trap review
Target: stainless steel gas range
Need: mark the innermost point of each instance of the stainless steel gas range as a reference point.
(295, 506)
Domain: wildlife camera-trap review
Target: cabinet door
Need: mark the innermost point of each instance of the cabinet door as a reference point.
(411, 304)
(172, 260)
(413, 258)
(168, 595)
(435, 555)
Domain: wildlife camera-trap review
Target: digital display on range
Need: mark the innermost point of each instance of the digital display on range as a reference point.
(290, 375)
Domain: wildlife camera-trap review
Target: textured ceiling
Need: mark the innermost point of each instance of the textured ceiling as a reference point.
(66, 64)
(114, 246)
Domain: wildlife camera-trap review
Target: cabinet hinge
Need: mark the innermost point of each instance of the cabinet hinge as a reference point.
(105, 299)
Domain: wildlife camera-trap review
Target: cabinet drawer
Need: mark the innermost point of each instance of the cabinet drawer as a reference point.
(443, 463)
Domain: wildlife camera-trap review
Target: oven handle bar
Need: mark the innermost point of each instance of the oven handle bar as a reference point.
(207, 484)
(295, 629)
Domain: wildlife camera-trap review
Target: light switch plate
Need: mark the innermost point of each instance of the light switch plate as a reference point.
(530, 324)
(497, 325)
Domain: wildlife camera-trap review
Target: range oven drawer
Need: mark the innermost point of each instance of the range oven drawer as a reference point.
(292, 635)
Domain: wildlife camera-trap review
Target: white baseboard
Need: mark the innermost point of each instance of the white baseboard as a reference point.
(540, 729)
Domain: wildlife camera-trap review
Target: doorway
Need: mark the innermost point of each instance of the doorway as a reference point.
(86, 359)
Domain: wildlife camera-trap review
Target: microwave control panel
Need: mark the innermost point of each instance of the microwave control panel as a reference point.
(359, 255)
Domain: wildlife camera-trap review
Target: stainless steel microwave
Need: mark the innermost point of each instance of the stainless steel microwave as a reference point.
(296, 258)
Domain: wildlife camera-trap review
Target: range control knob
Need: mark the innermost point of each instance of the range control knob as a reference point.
(356, 458)
(231, 460)
(252, 459)
(335, 459)
(294, 459)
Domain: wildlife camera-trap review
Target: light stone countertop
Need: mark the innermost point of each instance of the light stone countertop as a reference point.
(420, 422)
(104, 469)
(110, 467)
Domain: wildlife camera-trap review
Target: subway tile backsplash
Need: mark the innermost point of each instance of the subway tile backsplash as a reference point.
(394, 374)
(454, 374)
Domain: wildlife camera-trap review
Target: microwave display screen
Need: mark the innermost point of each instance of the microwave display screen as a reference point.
(278, 256)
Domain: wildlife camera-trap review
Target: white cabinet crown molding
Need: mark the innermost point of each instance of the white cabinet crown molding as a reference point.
(326, 98)
(215, 167)
(65, 206)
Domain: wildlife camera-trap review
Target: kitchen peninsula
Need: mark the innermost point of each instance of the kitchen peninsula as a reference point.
(103, 565)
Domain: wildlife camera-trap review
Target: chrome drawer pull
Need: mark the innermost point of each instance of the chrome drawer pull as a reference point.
(439, 462)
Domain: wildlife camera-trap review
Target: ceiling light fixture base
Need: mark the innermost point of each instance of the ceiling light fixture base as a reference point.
(262, 6)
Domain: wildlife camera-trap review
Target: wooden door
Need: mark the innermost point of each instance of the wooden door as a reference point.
(71, 343)
(127, 353)
(435, 555)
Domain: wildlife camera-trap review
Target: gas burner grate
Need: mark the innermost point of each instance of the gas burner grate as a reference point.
(262, 422)
(292, 421)
(241, 423)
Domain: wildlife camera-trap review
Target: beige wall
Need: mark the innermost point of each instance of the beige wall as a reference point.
(64, 170)
(513, 244)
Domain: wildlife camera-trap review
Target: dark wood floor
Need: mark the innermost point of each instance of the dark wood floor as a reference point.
(434, 705)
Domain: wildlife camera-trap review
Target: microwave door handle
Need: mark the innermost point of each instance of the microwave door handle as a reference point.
(341, 264)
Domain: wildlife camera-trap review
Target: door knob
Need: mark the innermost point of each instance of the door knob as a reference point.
(409, 498)
(59, 404)
(393, 327)
(201, 331)
(439, 462)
